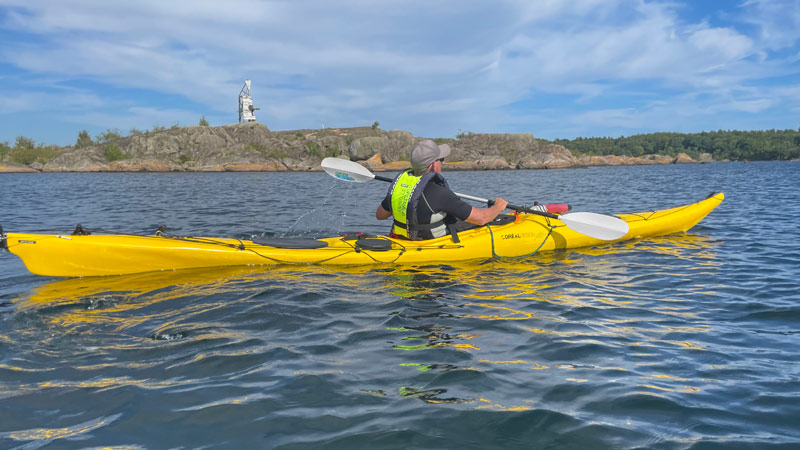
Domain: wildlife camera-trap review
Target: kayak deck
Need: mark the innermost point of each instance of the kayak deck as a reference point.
(93, 255)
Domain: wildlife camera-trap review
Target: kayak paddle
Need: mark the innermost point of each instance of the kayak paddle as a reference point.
(598, 226)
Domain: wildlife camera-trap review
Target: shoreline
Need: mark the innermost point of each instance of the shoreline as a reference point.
(374, 164)
(252, 147)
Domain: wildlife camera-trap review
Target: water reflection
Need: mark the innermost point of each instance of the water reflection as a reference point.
(593, 304)
(595, 317)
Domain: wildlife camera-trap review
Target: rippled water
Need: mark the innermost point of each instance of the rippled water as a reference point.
(685, 341)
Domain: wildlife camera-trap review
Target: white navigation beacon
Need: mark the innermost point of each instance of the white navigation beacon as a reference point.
(247, 113)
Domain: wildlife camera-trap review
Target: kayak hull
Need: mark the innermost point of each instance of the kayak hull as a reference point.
(96, 255)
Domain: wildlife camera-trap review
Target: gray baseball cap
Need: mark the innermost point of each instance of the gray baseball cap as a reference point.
(426, 152)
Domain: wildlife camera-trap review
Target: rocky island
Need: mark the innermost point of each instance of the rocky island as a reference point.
(248, 147)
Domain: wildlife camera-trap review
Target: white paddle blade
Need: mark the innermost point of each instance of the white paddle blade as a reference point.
(598, 226)
(345, 170)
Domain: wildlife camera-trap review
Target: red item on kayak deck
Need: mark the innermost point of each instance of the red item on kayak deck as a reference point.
(557, 207)
(551, 207)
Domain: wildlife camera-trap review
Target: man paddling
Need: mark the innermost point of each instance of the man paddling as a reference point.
(421, 202)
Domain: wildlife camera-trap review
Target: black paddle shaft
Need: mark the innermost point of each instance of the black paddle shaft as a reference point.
(526, 210)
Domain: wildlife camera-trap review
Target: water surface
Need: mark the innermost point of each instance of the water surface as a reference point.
(684, 341)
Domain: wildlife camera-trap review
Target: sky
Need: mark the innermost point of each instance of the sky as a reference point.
(553, 68)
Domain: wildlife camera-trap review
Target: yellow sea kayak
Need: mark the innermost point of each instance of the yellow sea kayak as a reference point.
(78, 255)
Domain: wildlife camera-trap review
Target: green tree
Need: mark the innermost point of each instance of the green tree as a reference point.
(24, 142)
(375, 125)
(24, 156)
(27, 156)
(463, 134)
(109, 136)
(4, 150)
(84, 140)
(721, 144)
(112, 152)
(203, 122)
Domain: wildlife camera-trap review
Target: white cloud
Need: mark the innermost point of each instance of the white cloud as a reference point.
(723, 43)
(32, 101)
(430, 67)
(614, 118)
(751, 106)
(778, 21)
(652, 47)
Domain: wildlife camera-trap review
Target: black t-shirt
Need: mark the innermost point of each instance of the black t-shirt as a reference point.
(435, 198)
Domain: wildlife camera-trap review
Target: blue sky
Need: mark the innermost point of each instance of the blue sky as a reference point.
(554, 68)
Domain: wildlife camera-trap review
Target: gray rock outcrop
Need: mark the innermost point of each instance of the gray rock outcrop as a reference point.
(253, 147)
